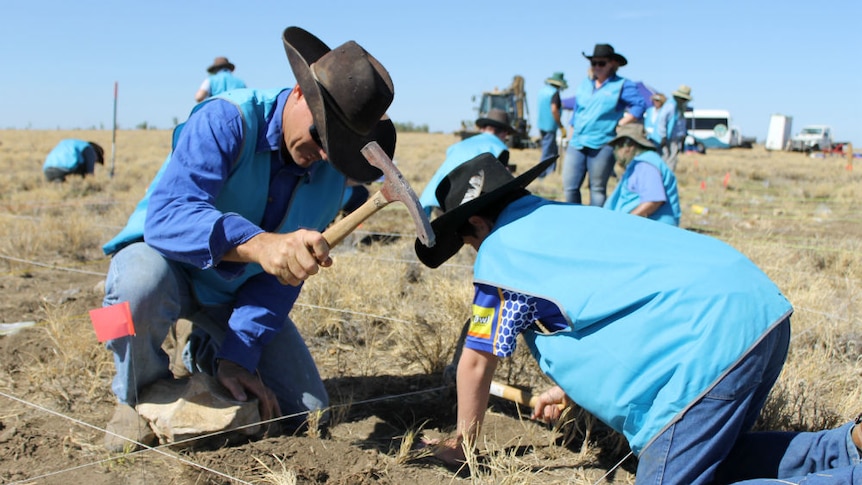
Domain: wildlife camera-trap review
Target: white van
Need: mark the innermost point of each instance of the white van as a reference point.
(712, 128)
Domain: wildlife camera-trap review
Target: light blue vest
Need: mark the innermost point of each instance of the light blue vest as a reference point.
(658, 314)
(224, 80)
(546, 121)
(676, 128)
(596, 118)
(457, 154)
(624, 200)
(68, 154)
(314, 203)
(650, 120)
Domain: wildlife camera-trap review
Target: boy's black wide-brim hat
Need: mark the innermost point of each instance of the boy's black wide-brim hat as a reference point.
(466, 190)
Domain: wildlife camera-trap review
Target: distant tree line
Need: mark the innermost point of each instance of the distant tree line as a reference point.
(410, 127)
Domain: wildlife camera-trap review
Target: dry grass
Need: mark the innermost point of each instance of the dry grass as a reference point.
(379, 312)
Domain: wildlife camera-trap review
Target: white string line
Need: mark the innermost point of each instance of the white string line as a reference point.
(160, 449)
(619, 464)
(50, 266)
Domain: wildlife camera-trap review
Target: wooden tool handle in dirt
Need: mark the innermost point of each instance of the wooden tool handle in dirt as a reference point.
(336, 233)
(514, 394)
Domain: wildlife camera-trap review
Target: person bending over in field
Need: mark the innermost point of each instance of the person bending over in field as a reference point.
(670, 337)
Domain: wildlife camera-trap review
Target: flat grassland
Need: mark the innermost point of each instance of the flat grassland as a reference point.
(382, 327)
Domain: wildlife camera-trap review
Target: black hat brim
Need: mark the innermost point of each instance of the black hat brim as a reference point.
(448, 242)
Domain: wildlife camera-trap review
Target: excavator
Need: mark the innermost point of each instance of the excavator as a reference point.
(513, 100)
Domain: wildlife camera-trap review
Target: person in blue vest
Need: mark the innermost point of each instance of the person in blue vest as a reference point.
(603, 101)
(72, 157)
(672, 338)
(674, 113)
(230, 229)
(647, 187)
(550, 109)
(651, 119)
(494, 129)
(221, 79)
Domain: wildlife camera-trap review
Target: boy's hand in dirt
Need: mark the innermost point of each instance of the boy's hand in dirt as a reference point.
(448, 451)
(239, 381)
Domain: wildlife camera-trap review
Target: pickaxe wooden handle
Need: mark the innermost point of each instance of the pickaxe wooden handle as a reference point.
(395, 187)
(514, 394)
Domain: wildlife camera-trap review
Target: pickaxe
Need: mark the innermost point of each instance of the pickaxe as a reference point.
(395, 187)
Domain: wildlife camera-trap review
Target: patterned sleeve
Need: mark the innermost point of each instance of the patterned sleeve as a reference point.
(500, 315)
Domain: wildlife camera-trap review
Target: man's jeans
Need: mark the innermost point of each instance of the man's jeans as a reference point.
(712, 442)
(159, 292)
(549, 149)
(599, 162)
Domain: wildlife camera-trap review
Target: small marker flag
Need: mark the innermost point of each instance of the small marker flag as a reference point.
(112, 322)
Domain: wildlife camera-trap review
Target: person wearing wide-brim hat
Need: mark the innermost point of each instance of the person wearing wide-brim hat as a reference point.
(647, 187)
(72, 157)
(677, 130)
(231, 227)
(221, 79)
(672, 338)
(494, 129)
(603, 100)
(549, 119)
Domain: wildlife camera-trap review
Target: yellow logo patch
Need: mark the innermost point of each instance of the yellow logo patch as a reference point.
(480, 325)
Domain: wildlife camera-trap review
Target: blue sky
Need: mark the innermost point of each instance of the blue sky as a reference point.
(754, 58)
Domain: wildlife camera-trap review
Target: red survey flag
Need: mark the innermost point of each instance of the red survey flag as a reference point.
(113, 321)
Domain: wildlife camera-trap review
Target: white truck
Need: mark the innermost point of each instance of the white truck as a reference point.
(812, 138)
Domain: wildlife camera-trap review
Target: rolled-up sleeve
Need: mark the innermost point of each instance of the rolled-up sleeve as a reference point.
(182, 221)
(632, 100)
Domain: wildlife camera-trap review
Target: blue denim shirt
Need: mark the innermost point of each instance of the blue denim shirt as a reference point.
(197, 233)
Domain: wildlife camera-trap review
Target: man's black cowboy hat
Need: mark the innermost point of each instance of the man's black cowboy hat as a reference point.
(348, 92)
(467, 189)
(606, 50)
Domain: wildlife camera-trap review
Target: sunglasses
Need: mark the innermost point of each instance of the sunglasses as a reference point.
(312, 130)
(598, 63)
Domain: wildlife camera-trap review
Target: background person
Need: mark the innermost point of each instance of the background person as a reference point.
(72, 157)
(672, 338)
(647, 187)
(494, 129)
(676, 125)
(603, 101)
(207, 244)
(654, 131)
(550, 109)
(221, 79)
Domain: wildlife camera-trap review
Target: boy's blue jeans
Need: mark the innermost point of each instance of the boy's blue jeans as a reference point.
(159, 292)
(712, 442)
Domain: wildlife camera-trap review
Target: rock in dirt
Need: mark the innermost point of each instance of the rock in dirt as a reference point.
(181, 409)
